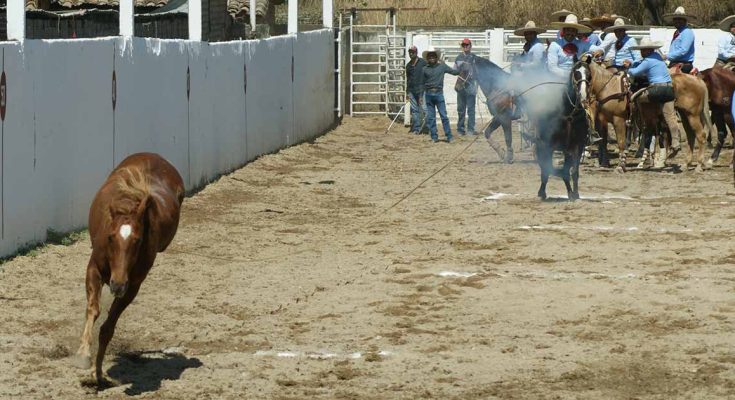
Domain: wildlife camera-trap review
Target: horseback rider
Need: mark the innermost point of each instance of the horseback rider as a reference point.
(622, 47)
(564, 52)
(434, 92)
(559, 16)
(681, 51)
(592, 37)
(532, 57)
(726, 44)
(607, 40)
(466, 90)
(660, 91)
(415, 88)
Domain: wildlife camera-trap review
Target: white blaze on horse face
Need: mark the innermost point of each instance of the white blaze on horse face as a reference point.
(582, 84)
(125, 231)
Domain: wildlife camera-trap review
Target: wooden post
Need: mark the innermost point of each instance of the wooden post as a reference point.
(126, 18)
(195, 20)
(327, 14)
(253, 4)
(16, 14)
(293, 16)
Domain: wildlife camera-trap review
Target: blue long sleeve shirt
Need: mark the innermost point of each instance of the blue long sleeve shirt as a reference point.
(625, 52)
(682, 48)
(560, 62)
(726, 47)
(534, 57)
(652, 67)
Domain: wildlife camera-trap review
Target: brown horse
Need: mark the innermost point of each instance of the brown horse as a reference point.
(133, 217)
(720, 84)
(691, 103)
(609, 97)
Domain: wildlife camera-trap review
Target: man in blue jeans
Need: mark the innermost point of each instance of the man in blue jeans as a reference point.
(415, 88)
(434, 92)
(466, 91)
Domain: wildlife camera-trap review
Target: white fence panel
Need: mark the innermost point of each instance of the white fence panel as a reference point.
(152, 107)
(217, 109)
(269, 97)
(312, 113)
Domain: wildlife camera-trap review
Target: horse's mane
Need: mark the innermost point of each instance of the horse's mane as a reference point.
(484, 63)
(131, 187)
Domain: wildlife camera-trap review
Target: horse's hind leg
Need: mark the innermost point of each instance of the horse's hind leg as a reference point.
(494, 124)
(543, 156)
(695, 130)
(508, 132)
(93, 283)
(108, 328)
(566, 173)
(621, 133)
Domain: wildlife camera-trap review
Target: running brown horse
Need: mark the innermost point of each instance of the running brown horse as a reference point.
(720, 84)
(494, 83)
(610, 98)
(133, 217)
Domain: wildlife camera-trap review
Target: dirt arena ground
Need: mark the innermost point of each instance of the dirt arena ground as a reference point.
(293, 278)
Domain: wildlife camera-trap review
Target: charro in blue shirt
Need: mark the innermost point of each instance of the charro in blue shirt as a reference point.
(682, 48)
(652, 67)
(534, 57)
(726, 47)
(623, 53)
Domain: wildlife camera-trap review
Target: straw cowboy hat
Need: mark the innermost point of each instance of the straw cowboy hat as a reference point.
(587, 22)
(679, 13)
(431, 50)
(727, 22)
(530, 27)
(571, 22)
(561, 13)
(647, 43)
(619, 24)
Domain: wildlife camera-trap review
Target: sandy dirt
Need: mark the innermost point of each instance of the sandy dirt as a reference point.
(293, 278)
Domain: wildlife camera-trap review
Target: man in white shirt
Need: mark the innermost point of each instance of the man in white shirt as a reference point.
(564, 52)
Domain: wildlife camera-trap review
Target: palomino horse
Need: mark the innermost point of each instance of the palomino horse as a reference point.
(720, 84)
(494, 82)
(693, 107)
(562, 126)
(133, 217)
(611, 102)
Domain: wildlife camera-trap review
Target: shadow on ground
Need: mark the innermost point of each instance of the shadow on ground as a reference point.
(146, 371)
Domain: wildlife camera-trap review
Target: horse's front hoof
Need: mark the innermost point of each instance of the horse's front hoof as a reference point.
(620, 169)
(709, 164)
(542, 195)
(699, 169)
(81, 361)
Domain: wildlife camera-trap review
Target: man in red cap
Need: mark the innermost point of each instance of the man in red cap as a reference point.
(415, 88)
(466, 90)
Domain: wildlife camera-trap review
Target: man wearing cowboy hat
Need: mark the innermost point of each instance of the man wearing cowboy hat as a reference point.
(607, 40)
(415, 88)
(564, 52)
(532, 57)
(661, 89)
(681, 51)
(591, 37)
(622, 47)
(560, 16)
(434, 92)
(726, 44)
(466, 90)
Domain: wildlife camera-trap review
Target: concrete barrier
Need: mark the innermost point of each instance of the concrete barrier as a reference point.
(73, 109)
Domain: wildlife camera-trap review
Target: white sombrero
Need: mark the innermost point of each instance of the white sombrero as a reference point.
(530, 27)
(561, 13)
(431, 49)
(679, 13)
(647, 43)
(727, 22)
(571, 22)
(619, 24)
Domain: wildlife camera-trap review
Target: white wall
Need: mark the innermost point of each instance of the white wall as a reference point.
(61, 136)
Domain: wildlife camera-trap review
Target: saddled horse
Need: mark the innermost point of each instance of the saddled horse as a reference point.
(561, 125)
(692, 104)
(720, 84)
(494, 83)
(611, 98)
(133, 217)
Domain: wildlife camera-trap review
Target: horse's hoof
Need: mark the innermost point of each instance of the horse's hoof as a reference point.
(620, 169)
(709, 164)
(699, 169)
(542, 196)
(81, 361)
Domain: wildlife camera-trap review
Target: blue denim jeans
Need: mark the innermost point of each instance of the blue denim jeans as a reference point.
(434, 102)
(466, 102)
(418, 110)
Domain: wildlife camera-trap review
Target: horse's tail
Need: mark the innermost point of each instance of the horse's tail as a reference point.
(706, 115)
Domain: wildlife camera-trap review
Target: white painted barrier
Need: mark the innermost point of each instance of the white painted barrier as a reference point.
(207, 108)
